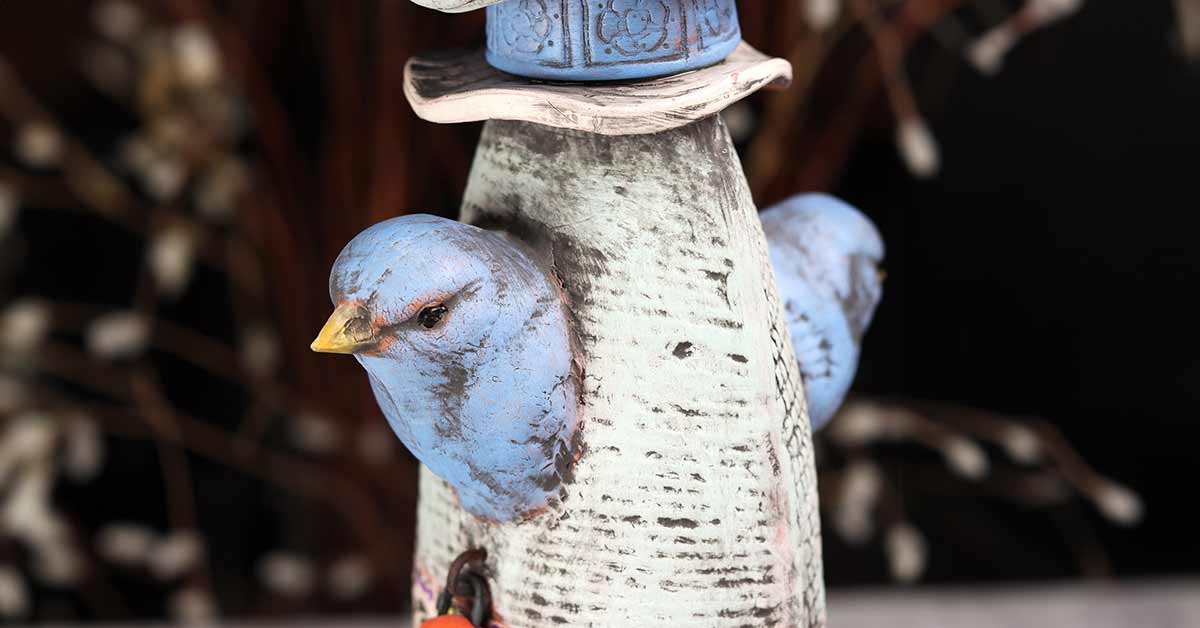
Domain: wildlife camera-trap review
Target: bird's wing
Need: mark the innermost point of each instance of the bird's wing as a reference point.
(825, 254)
(825, 348)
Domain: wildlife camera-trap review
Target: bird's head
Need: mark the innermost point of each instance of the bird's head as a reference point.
(841, 247)
(465, 337)
(417, 285)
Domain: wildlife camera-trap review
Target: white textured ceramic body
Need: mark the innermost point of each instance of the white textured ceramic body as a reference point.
(694, 501)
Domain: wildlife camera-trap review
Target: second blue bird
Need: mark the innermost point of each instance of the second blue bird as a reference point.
(826, 256)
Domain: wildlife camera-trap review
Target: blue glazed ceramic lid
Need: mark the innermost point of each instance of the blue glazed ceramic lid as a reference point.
(605, 40)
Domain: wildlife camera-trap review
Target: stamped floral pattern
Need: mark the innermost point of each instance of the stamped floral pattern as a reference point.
(715, 16)
(526, 25)
(609, 39)
(634, 26)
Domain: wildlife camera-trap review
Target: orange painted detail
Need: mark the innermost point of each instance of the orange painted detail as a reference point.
(448, 621)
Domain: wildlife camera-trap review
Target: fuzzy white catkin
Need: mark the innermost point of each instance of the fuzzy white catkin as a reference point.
(24, 325)
(83, 451)
(859, 423)
(821, 14)
(197, 60)
(286, 574)
(137, 153)
(29, 437)
(315, 433)
(52, 532)
(907, 552)
(1120, 504)
(859, 490)
(376, 443)
(350, 577)
(125, 544)
(966, 458)
(988, 51)
(40, 145)
(13, 393)
(14, 593)
(26, 445)
(260, 351)
(918, 147)
(854, 524)
(192, 606)
(1022, 444)
(171, 258)
(118, 20)
(58, 564)
(10, 207)
(117, 335)
(862, 483)
(164, 178)
(1045, 11)
(220, 188)
(1187, 21)
(175, 554)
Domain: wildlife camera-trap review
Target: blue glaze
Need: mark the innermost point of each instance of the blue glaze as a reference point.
(826, 256)
(487, 398)
(605, 40)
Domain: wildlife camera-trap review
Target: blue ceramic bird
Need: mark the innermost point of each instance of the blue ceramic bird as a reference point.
(466, 340)
(826, 256)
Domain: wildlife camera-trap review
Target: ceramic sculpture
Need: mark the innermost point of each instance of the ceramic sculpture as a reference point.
(684, 489)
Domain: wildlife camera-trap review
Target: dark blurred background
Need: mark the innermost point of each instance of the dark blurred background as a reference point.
(176, 178)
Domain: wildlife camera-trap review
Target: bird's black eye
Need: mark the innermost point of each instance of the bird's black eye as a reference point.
(431, 315)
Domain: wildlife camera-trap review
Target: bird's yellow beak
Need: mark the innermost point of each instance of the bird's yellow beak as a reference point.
(347, 331)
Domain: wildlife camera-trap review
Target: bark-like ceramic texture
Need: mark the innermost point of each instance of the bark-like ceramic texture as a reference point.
(694, 501)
